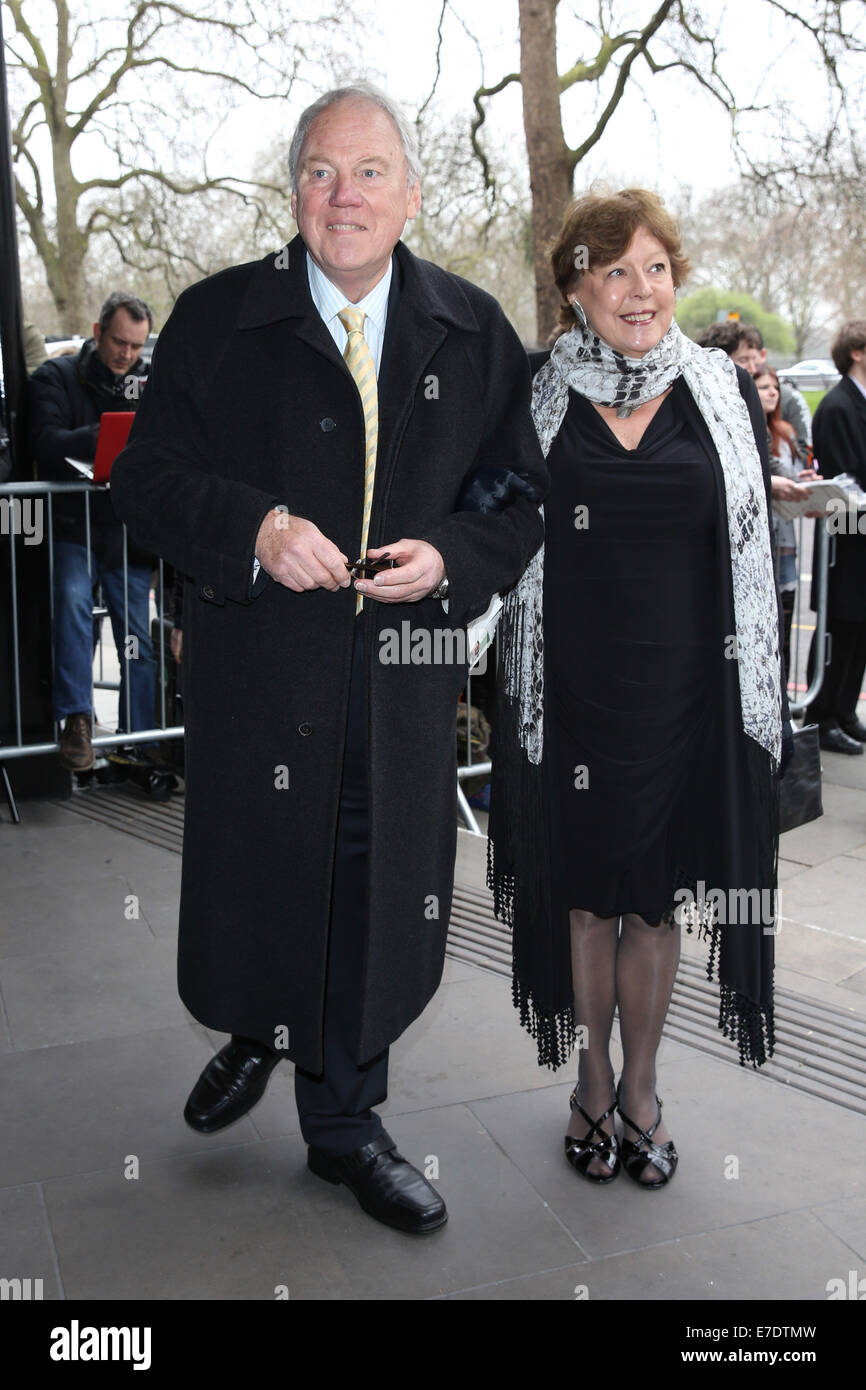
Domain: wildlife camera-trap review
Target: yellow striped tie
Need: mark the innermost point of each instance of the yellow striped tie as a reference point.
(359, 360)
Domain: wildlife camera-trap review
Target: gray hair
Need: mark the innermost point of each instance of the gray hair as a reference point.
(358, 91)
(135, 307)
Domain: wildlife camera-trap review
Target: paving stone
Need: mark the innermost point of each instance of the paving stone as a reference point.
(782, 1258)
(26, 1251)
(239, 1222)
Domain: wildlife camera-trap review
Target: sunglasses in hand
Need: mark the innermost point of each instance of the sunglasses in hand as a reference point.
(366, 567)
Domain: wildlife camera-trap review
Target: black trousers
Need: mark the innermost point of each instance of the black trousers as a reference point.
(843, 678)
(335, 1109)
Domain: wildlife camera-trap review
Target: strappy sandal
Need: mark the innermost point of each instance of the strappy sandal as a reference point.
(581, 1152)
(636, 1156)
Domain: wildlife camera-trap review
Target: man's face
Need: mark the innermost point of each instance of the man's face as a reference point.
(746, 356)
(353, 197)
(119, 344)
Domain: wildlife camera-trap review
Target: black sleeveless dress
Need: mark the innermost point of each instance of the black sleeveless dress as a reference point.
(642, 798)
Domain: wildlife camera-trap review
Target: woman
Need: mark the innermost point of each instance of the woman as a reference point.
(639, 729)
(786, 466)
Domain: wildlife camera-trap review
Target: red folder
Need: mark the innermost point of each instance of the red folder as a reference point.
(114, 427)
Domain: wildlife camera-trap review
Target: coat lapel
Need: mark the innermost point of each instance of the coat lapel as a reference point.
(280, 291)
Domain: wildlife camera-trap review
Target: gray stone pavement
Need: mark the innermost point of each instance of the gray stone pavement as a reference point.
(105, 1193)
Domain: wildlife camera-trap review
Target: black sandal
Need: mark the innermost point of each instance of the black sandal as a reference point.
(581, 1152)
(635, 1156)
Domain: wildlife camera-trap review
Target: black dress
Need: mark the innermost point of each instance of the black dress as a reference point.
(643, 800)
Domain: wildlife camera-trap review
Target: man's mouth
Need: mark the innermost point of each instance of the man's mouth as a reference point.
(346, 227)
(638, 319)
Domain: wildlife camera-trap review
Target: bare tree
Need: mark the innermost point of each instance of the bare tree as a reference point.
(141, 86)
(671, 36)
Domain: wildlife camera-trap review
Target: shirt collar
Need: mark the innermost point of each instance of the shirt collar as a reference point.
(329, 299)
(860, 387)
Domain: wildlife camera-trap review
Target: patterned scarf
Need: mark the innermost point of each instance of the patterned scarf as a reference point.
(585, 363)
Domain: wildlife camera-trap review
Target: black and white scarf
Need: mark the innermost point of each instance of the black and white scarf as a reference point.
(582, 361)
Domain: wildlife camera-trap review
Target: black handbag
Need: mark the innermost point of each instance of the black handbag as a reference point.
(800, 788)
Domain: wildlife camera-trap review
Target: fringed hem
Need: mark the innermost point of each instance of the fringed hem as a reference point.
(554, 1034)
(750, 1026)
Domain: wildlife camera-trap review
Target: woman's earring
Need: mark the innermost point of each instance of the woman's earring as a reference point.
(579, 314)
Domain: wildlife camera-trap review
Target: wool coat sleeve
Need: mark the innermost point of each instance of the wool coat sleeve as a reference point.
(839, 438)
(479, 549)
(56, 425)
(163, 484)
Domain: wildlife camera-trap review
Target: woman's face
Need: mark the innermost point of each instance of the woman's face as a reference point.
(769, 393)
(630, 303)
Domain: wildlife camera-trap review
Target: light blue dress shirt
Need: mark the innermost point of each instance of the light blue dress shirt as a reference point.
(329, 300)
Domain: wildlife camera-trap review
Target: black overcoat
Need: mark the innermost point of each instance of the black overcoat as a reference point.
(250, 405)
(839, 440)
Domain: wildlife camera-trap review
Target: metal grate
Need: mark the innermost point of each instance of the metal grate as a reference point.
(820, 1048)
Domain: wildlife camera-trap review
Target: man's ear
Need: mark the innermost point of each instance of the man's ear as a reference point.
(295, 206)
(414, 204)
(97, 331)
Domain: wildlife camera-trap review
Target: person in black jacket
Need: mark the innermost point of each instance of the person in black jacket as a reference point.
(68, 396)
(839, 437)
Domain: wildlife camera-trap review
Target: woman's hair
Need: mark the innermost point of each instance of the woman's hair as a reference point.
(598, 228)
(777, 428)
(850, 335)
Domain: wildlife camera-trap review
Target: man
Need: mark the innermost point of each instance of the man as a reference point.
(839, 433)
(795, 407)
(730, 336)
(320, 819)
(68, 396)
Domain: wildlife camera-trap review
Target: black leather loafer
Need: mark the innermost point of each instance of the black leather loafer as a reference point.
(854, 728)
(385, 1184)
(835, 740)
(230, 1085)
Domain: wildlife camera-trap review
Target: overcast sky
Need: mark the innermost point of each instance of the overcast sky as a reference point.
(667, 134)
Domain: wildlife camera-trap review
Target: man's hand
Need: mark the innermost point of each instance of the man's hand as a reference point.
(295, 553)
(420, 570)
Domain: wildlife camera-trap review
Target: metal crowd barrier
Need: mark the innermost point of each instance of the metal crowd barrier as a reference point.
(14, 520)
(11, 523)
(816, 554)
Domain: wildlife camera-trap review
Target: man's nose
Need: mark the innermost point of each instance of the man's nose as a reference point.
(344, 193)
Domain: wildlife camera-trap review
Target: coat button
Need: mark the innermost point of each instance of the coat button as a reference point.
(207, 591)
(327, 424)
(305, 729)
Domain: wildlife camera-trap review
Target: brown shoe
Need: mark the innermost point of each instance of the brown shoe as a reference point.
(76, 750)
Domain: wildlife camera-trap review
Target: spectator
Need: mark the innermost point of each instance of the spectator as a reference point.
(840, 447)
(786, 466)
(727, 334)
(68, 396)
(795, 407)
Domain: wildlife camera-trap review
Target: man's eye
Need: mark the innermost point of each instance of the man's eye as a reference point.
(618, 270)
(373, 172)
(317, 172)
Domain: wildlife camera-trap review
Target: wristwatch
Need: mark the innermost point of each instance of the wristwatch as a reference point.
(441, 590)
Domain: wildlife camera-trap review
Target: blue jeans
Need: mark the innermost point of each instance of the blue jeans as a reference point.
(73, 635)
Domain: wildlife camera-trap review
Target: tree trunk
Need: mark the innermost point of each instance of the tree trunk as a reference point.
(550, 165)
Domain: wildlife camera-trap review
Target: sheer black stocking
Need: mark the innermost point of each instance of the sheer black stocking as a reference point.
(593, 963)
(646, 967)
(634, 968)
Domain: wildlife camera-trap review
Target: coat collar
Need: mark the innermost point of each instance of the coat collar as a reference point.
(854, 395)
(279, 289)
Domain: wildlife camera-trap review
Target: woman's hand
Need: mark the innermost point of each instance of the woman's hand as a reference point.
(786, 490)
